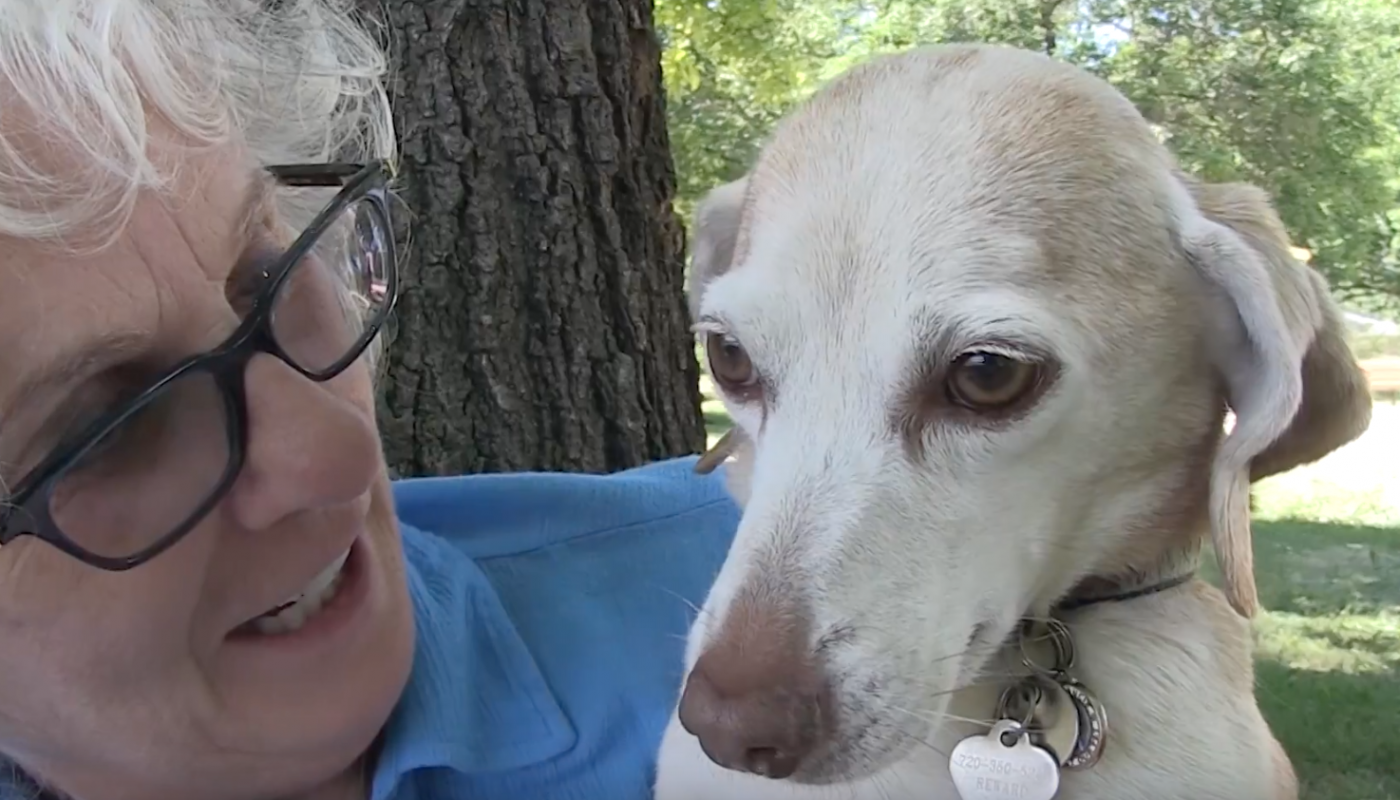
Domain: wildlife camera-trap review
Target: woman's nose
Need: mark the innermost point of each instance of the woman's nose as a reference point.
(310, 445)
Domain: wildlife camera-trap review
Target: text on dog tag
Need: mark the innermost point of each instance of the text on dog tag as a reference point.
(985, 768)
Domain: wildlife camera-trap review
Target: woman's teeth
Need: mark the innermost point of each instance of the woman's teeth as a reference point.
(293, 614)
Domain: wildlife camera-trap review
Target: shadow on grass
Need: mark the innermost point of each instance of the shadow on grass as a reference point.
(1328, 671)
(1320, 569)
(1338, 728)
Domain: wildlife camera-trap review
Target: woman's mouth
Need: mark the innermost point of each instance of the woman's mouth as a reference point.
(291, 615)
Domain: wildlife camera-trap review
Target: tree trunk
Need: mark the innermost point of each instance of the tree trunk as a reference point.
(543, 323)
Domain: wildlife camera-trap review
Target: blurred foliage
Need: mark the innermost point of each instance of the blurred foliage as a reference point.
(1374, 345)
(1301, 97)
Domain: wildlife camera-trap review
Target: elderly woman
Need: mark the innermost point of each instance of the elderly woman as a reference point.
(209, 587)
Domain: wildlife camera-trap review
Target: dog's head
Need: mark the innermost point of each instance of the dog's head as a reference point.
(978, 336)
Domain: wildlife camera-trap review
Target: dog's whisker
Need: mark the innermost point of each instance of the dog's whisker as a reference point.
(687, 601)
(985, 676)
(881, 784)
(935, 717)
(975, 650)
(932, 746)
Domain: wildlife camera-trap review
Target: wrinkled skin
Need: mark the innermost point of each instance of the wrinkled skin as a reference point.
(124, 684)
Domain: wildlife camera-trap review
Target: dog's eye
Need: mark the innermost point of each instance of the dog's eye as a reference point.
(983, 381)
(729, 362)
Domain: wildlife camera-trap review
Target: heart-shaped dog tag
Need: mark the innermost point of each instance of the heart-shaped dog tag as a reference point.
(985, 768)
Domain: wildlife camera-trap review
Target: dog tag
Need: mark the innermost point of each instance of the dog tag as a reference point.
(986, 768)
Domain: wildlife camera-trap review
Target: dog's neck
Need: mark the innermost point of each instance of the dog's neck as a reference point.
(1172, 567)
(1166, 537)
(1066, 716)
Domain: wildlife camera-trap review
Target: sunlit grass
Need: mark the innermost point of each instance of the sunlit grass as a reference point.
(1327, 559)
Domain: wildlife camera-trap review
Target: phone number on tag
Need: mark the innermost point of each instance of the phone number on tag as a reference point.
(996, 766)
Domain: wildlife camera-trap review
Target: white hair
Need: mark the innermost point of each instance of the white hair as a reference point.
(292, 80)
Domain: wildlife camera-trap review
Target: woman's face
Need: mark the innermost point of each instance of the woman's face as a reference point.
(149, 683)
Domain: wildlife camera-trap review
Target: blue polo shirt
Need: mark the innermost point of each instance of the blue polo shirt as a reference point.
(551, 615)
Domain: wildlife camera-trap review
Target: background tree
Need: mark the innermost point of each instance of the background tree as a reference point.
(543, 324)
(1299, 96)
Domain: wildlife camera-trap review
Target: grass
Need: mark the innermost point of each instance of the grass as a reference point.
(1327, 561)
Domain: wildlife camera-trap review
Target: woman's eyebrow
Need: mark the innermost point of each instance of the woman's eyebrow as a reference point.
(82, 361)
(91, 357)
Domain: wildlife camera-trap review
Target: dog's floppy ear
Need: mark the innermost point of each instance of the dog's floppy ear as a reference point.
(737, 450)
(717, 228)
(1289, 376)
(1336, 405)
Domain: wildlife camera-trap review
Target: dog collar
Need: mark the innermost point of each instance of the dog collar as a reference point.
(1083, 722)
(1099, 590)
(1046, 722)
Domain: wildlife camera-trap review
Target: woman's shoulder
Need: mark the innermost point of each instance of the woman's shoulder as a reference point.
(501, 514)
(552, 613)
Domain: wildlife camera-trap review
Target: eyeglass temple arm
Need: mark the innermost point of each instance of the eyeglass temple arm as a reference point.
(333, 174)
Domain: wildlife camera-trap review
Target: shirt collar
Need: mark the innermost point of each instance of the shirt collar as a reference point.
(475, 701)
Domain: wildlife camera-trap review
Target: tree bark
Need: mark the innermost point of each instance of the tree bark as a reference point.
(542, 324)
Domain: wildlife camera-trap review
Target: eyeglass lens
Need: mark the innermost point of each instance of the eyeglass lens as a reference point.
(322, 311)
(148, 475)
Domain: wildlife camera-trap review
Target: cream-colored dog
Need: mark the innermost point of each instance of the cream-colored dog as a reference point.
(979, 334)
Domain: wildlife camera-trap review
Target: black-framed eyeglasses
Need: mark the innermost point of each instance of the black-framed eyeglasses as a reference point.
(143, 475)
